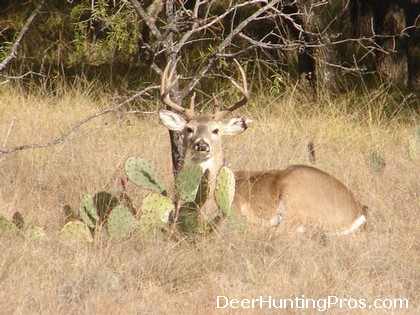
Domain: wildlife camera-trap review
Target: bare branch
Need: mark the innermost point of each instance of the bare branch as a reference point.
(195, 29)
(8, 78)
(148, 19)
(64, 137)
(224, 44)
(19, 39)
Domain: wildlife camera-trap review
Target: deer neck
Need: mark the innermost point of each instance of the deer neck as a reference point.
(211, 164)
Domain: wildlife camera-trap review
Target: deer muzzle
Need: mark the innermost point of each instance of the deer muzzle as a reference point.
(201, 146)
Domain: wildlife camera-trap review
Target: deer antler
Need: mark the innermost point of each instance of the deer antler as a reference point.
(244, 91)
(167, 82)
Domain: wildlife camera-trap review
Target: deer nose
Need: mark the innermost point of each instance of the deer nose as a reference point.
(201, 145)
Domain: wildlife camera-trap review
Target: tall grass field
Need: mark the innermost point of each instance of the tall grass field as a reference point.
(234, 270)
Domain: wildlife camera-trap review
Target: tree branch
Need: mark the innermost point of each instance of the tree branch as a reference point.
(225, 43)
(63, 137)
(18, 41)
(148, 19)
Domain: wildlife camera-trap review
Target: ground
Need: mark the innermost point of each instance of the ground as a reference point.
(162, 275)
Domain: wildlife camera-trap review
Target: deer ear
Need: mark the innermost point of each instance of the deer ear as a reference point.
(235, 126)
(171, 120)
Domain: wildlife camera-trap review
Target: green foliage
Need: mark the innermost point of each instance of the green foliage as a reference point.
(6, 225)
(159, 205)
(104, 202)
(375, 162)
(121, 223)
(225, 190)
(87, 212)
(155, 213)
(189, 219)
(188, 182)
(18, 220)
(101, 209)
(144, 175)
(203, 190)
(192, 192)
(34, 232)
(102, 29)
(17, 225)
(76, 231)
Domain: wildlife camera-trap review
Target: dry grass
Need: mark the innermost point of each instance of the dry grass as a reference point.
(46, 276)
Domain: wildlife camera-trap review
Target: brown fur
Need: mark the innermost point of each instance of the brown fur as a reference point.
(311, 197)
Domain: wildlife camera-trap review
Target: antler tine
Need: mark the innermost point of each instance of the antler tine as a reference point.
(192, 104)
(216, 103)
(167, 82)
(244, 91)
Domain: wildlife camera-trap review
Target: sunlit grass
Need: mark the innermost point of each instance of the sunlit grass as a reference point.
(45, 276)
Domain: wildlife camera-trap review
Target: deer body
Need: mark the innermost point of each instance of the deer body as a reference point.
(303, 196)
(300, 196)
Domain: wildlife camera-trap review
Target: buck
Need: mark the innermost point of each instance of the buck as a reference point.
(300, 196)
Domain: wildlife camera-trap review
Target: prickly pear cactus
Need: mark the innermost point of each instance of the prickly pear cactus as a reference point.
(87, 212)
(144, 175)
(188, 181)
(189, 219)
(375, 162)
(187, 162)
(121, 223)
(6, 225)
(104, 202)
(34, 232)
(18, 220)
(156, 210)
(76, 231)
(225, 190)
(203, 190)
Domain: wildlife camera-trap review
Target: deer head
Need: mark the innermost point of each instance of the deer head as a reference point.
(202, 134)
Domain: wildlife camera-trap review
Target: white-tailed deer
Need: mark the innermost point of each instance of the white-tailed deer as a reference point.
(299, 195)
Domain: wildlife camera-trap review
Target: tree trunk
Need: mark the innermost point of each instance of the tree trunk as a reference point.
(392, 61)
(171, 55)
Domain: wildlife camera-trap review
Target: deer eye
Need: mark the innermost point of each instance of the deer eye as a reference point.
(215, 131)
(189, 130)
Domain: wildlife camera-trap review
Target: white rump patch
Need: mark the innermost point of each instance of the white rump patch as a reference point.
(357, 224)
(275, 221)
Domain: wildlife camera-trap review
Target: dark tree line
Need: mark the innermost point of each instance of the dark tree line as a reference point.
(397, 59)
(128, 42)
(125, 44)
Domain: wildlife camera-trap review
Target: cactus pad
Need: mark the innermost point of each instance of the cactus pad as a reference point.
(188, 181)
(104, 202)
(203, 190)
(144, 175)
(87, 212)
(35, 232)
(375, 162)
(189, 218)
(225, 190)
(156, 210)
(76, 231)
(121, 223)
(6, 225)
(18, 220)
